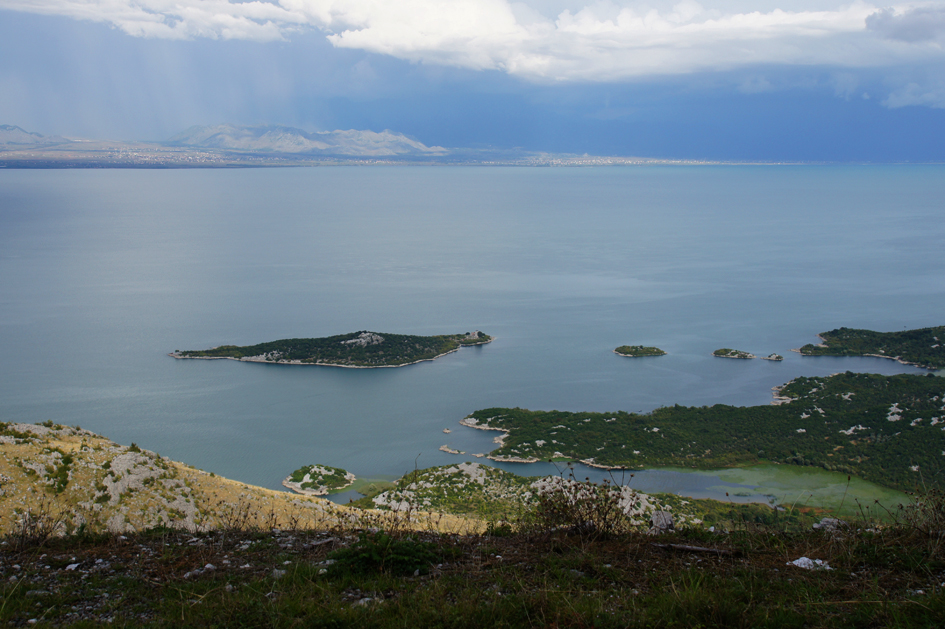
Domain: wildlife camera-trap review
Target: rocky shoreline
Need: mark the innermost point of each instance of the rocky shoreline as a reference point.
(778, 398)
(470, 422)
(321, 491)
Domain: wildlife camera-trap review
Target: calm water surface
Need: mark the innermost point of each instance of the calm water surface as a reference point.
(104, 272)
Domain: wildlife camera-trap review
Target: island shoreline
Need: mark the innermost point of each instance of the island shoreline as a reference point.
(895, 358)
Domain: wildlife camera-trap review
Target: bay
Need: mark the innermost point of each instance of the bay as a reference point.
(102, 272)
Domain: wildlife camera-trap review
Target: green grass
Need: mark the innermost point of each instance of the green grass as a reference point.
(544, 579)
(538, 573)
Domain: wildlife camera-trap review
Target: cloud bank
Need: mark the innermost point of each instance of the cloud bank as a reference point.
(602, 41)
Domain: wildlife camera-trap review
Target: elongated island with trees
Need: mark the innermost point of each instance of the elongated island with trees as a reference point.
(924, 347)
(356, 349)
(638, 351)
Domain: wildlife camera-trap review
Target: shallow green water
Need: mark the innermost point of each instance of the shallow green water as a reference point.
(802, 486)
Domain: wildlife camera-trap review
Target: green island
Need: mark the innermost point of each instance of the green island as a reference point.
(727, 352)
(884, 429)
(318, 480)
(922, 347)
(356, 349)
(637, 351)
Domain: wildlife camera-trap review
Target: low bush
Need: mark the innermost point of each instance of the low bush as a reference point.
(380, 552)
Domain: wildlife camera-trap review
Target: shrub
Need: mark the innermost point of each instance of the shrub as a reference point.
(585, 508)
(379, 552)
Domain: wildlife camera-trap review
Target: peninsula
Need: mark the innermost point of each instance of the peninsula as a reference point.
(884, 429)
(924, 347)
(638, 351)
(356, 349)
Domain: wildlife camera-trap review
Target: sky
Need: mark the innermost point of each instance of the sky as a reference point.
(720, 79)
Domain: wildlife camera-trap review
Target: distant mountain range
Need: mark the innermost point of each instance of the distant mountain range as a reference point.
(12, 135)
(278, 139)
(269, 139)
(229, 146)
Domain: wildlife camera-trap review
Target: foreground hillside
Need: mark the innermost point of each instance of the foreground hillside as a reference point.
(85, 482)
(544, 576)
(99, 533)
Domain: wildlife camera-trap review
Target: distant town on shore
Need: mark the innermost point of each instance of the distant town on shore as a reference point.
(236, 146)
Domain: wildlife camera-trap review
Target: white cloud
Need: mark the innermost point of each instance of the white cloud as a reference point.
(912, 24)
(599, 41)
(189, 19)
(755, 85)
(916, 94)
(844, 84)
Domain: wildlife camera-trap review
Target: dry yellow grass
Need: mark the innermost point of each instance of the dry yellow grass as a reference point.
(79, 479)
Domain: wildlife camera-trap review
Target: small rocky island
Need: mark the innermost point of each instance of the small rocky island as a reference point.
(638, 351)
(357, 349)
(924, 347)
(318, 480)
(726, 352)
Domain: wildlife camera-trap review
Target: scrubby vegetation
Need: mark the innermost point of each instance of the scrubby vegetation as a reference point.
(924, 347)
(636, 351)
(357, 349)
(884, 429)
(500, 498)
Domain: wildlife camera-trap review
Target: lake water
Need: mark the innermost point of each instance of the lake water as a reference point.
(102, 272)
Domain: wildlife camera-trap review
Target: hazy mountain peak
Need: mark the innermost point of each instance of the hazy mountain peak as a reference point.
(280, 139)
(11, 134)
